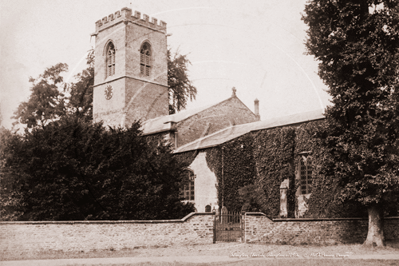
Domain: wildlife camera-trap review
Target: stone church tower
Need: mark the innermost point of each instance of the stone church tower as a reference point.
(130, 71)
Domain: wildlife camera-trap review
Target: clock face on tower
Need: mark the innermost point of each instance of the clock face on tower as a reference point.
(108, 92)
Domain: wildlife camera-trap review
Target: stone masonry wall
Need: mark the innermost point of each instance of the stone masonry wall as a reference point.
(195, 228)
(224, 114)
(259, 228)
(135, 96)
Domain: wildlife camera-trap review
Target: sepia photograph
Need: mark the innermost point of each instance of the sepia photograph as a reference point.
(199, 132)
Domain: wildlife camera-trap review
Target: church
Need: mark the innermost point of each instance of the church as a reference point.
(130, 83)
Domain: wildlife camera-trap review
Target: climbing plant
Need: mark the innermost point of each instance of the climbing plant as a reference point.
(234, 167)
(274, 153)
(251, 169)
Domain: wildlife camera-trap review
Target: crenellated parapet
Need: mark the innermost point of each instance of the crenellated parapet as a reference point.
(125, 15)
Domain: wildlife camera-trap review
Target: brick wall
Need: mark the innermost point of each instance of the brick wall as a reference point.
(259, 228)
(195, 228)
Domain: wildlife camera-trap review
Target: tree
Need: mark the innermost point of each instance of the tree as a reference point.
(46, 102)
(80, 100)
(51, 98)
(1, 116)
(66, 167)
(76, 170)
(357, 45)
(10, 196)
(180, 87)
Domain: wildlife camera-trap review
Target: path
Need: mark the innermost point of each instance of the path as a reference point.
(183, 259)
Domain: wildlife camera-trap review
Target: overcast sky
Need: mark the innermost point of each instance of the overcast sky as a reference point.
(256, 46)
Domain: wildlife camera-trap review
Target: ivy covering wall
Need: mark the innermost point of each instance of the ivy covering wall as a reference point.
(251, 168)
(234, 167)
(274, 158)
(323, 202)
(186, 158)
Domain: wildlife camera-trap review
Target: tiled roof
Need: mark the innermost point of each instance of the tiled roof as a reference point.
(164, 123)
(233, 132)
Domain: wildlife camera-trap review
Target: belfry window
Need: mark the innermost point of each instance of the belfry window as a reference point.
(110, 60)
(306, 172)
(145, 59)
(187, 189)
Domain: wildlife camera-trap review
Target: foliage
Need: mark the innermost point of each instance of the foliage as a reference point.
(234, 168)
(46, 102)
(250, 169)
(249, 198)
(186, 158)
(356, 43)
(253, 176)
(274, 155)
(10, 196)
(47, 158)
(51, 98)
(180, 87)
(1, 116)
(323, 202)
(80, 100)
(76, 170)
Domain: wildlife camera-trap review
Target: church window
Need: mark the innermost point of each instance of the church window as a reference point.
(306, 172)
(110, 60)
(187, 190)
(145, 59)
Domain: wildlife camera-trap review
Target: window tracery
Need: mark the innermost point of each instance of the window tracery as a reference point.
(306, 172)
(145, 59)
(110, 60)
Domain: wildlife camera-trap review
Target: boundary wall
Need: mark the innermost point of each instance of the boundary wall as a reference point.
(311, 231)
(195, 228)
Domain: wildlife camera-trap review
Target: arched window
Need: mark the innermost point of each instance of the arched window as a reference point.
(306, 172)
(187, 188)
(208, 208)
(145, 59)
(110, 60)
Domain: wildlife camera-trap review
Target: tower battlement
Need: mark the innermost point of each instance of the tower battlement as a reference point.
(126, 87)
(125, 15)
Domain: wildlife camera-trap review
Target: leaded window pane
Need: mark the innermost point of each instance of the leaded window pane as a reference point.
(306, 176)
(187, 190)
